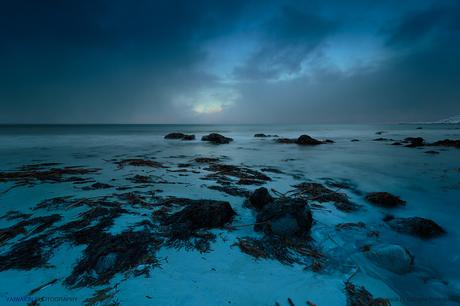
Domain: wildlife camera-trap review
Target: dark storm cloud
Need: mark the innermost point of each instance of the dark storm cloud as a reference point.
(102, 60)
(272, 61)
(287, 40)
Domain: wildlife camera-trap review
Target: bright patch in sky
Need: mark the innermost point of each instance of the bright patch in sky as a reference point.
(208, 108)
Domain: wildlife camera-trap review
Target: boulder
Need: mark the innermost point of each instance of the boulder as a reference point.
(447, 143)
(285, 217)
(180, 136)
(216, 138)
(306, 140)
(384, 199)
(202, 214)
(260, 197)
(414, 142)
(391, 257)
(416, 226)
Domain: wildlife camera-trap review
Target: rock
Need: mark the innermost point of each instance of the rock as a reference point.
(188, 137)
(97, 186)
(416, 226)
(260, 197)
(354, 140)
(447, 143)
(329, 141)
(306, 140)
(414, 142)
(203, 214)
(181, 136)
(285, 217)
(260, 135)
(383, 139)
(216, 138)
(392, 257)
(379, 133)
(384, 199)
(303, 140)
(432, 152)
(397, 143)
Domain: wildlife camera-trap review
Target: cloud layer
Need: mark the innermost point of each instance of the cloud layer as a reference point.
(232, 61)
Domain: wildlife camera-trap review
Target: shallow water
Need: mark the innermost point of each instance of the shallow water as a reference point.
(429, 183)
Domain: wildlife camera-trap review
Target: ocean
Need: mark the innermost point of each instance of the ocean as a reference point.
(223, 274)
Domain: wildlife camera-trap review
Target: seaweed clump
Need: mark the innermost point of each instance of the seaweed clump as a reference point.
(111, 254)
(359, 296)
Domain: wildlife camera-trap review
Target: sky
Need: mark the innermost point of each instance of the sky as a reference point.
(287, 62)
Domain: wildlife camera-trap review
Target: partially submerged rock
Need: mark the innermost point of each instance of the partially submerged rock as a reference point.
(260, 197)
(447, 143)
(415, 226)
(414, 142)
(285, 217)
(217, 138)
(202, 214)
(179, 136)
(303, 140)
(391, 257)
(384, 199)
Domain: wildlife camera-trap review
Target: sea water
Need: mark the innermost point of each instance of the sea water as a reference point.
(429, 183)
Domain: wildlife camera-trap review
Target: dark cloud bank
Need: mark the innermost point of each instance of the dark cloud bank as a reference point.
(145, 61)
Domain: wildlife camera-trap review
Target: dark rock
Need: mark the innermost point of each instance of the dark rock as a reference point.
(432, 152)
(175, 136)
(397, 143)
(260, 197)
(447, 143)
(419, 128)
(285, 217)
(188, 137)
(354, 140)
(247, 176)
(180, 136)
(202, 214)
(329, 141)
(306, 140)
(414, 142)
(379, 133)
(384, 199)
(416, 226)
(272, 170)
(303, 140)
(216, 138)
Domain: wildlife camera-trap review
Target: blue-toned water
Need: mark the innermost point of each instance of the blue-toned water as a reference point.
(430, 183)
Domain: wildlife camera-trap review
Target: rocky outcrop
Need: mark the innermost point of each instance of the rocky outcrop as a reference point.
(415, 226)
(202, 214)
(179, 136)
(303, 140)
(447, 143)
(216, 138)
(260, 197)
(384, 199)
(285, 217)
(414, 142)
